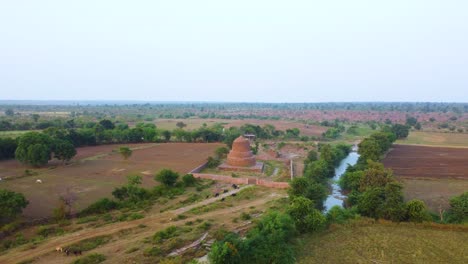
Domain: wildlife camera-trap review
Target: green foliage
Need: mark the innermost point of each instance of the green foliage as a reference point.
(370, 202)
(369, 149)
(189, 180)
(221, 152)
(126, 152)
(63, 150)
(227, 251)
(394, 207)
(7, 148)
(167, 177)
(459, 208)
(101, 206)
(34, 148)
(167, 233)
(401, 131)
(351, 180)
(340, 215)
(305, 216)
(91, 243)
(93, 258)
(312, 190)
(212, 162)
(375, 176)
(417, 211)
(11, 205)
(268, 242)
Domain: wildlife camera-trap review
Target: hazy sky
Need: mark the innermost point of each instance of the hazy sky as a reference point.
(273, 51)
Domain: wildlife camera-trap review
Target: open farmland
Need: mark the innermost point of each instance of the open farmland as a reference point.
(96, 171)
(431, 174)
(436, 139)
(373, 242)
(428, 162)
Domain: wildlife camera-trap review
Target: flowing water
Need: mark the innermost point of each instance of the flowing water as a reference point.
(337, 197)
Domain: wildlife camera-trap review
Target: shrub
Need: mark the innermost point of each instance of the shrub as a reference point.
(91, 243)
(459, 208)
(90, 259)
(165, 234)
(189, 180)
(340, 215)
(167, 177)
(417, 211)
(100, 206)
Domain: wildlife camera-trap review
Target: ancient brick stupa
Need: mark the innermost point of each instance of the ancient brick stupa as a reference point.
(241, 158)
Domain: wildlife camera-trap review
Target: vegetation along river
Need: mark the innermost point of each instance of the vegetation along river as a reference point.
(337, 197)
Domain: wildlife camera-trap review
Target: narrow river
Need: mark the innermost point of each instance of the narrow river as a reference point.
(337, 197)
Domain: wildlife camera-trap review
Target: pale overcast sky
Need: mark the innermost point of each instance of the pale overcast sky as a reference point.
(255, 51)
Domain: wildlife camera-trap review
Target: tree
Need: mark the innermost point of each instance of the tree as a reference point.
(7, 148)
(63, 150)
(181, 124)
(369, 149)
(371, 201)
(227, 251)
(34, 148)
(9, 112)
(459, 208)
(126, 152)
(303, 187)
(221, 152)
(167, 135)
(167, 177)
(417, 211)
(305, 216)
(107, 124)
(11, 205)
(35, 117)
(189, 180)
(401, 131)
(351, 180)
(394, 207)
(312, 156)
(375, 176)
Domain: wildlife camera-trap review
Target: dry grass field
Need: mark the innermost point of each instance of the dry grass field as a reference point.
(96, 171)
(436, 139)
(369, 242)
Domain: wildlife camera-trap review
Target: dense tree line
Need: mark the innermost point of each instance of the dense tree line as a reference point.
(374, 191)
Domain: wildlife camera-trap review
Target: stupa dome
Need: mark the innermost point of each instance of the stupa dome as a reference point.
(241, 155)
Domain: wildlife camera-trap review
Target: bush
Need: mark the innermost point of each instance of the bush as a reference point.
(189, 180)
(91, 243)
(165, 234)
(167, 177)
(212, 162)
(100, 206)
(304, 215)
(459, 208)
(90, 259)
(417, 211)
(340, 215)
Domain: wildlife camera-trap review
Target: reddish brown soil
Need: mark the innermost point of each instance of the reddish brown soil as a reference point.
(97, 171)
(428, 162)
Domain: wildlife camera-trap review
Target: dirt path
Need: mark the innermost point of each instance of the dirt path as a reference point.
(153, 222)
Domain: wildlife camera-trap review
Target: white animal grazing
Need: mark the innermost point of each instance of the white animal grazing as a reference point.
(38, 181)
(59, 249)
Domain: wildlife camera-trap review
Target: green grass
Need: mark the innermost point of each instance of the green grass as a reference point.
(90, 259)
(14, 134)
(365, 241)
(91, 243)
(436, 139)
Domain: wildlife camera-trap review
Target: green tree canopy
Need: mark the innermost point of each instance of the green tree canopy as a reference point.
(167, 177)
(34, 148)
(11, 205)
(126, 152)
(63, 150)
